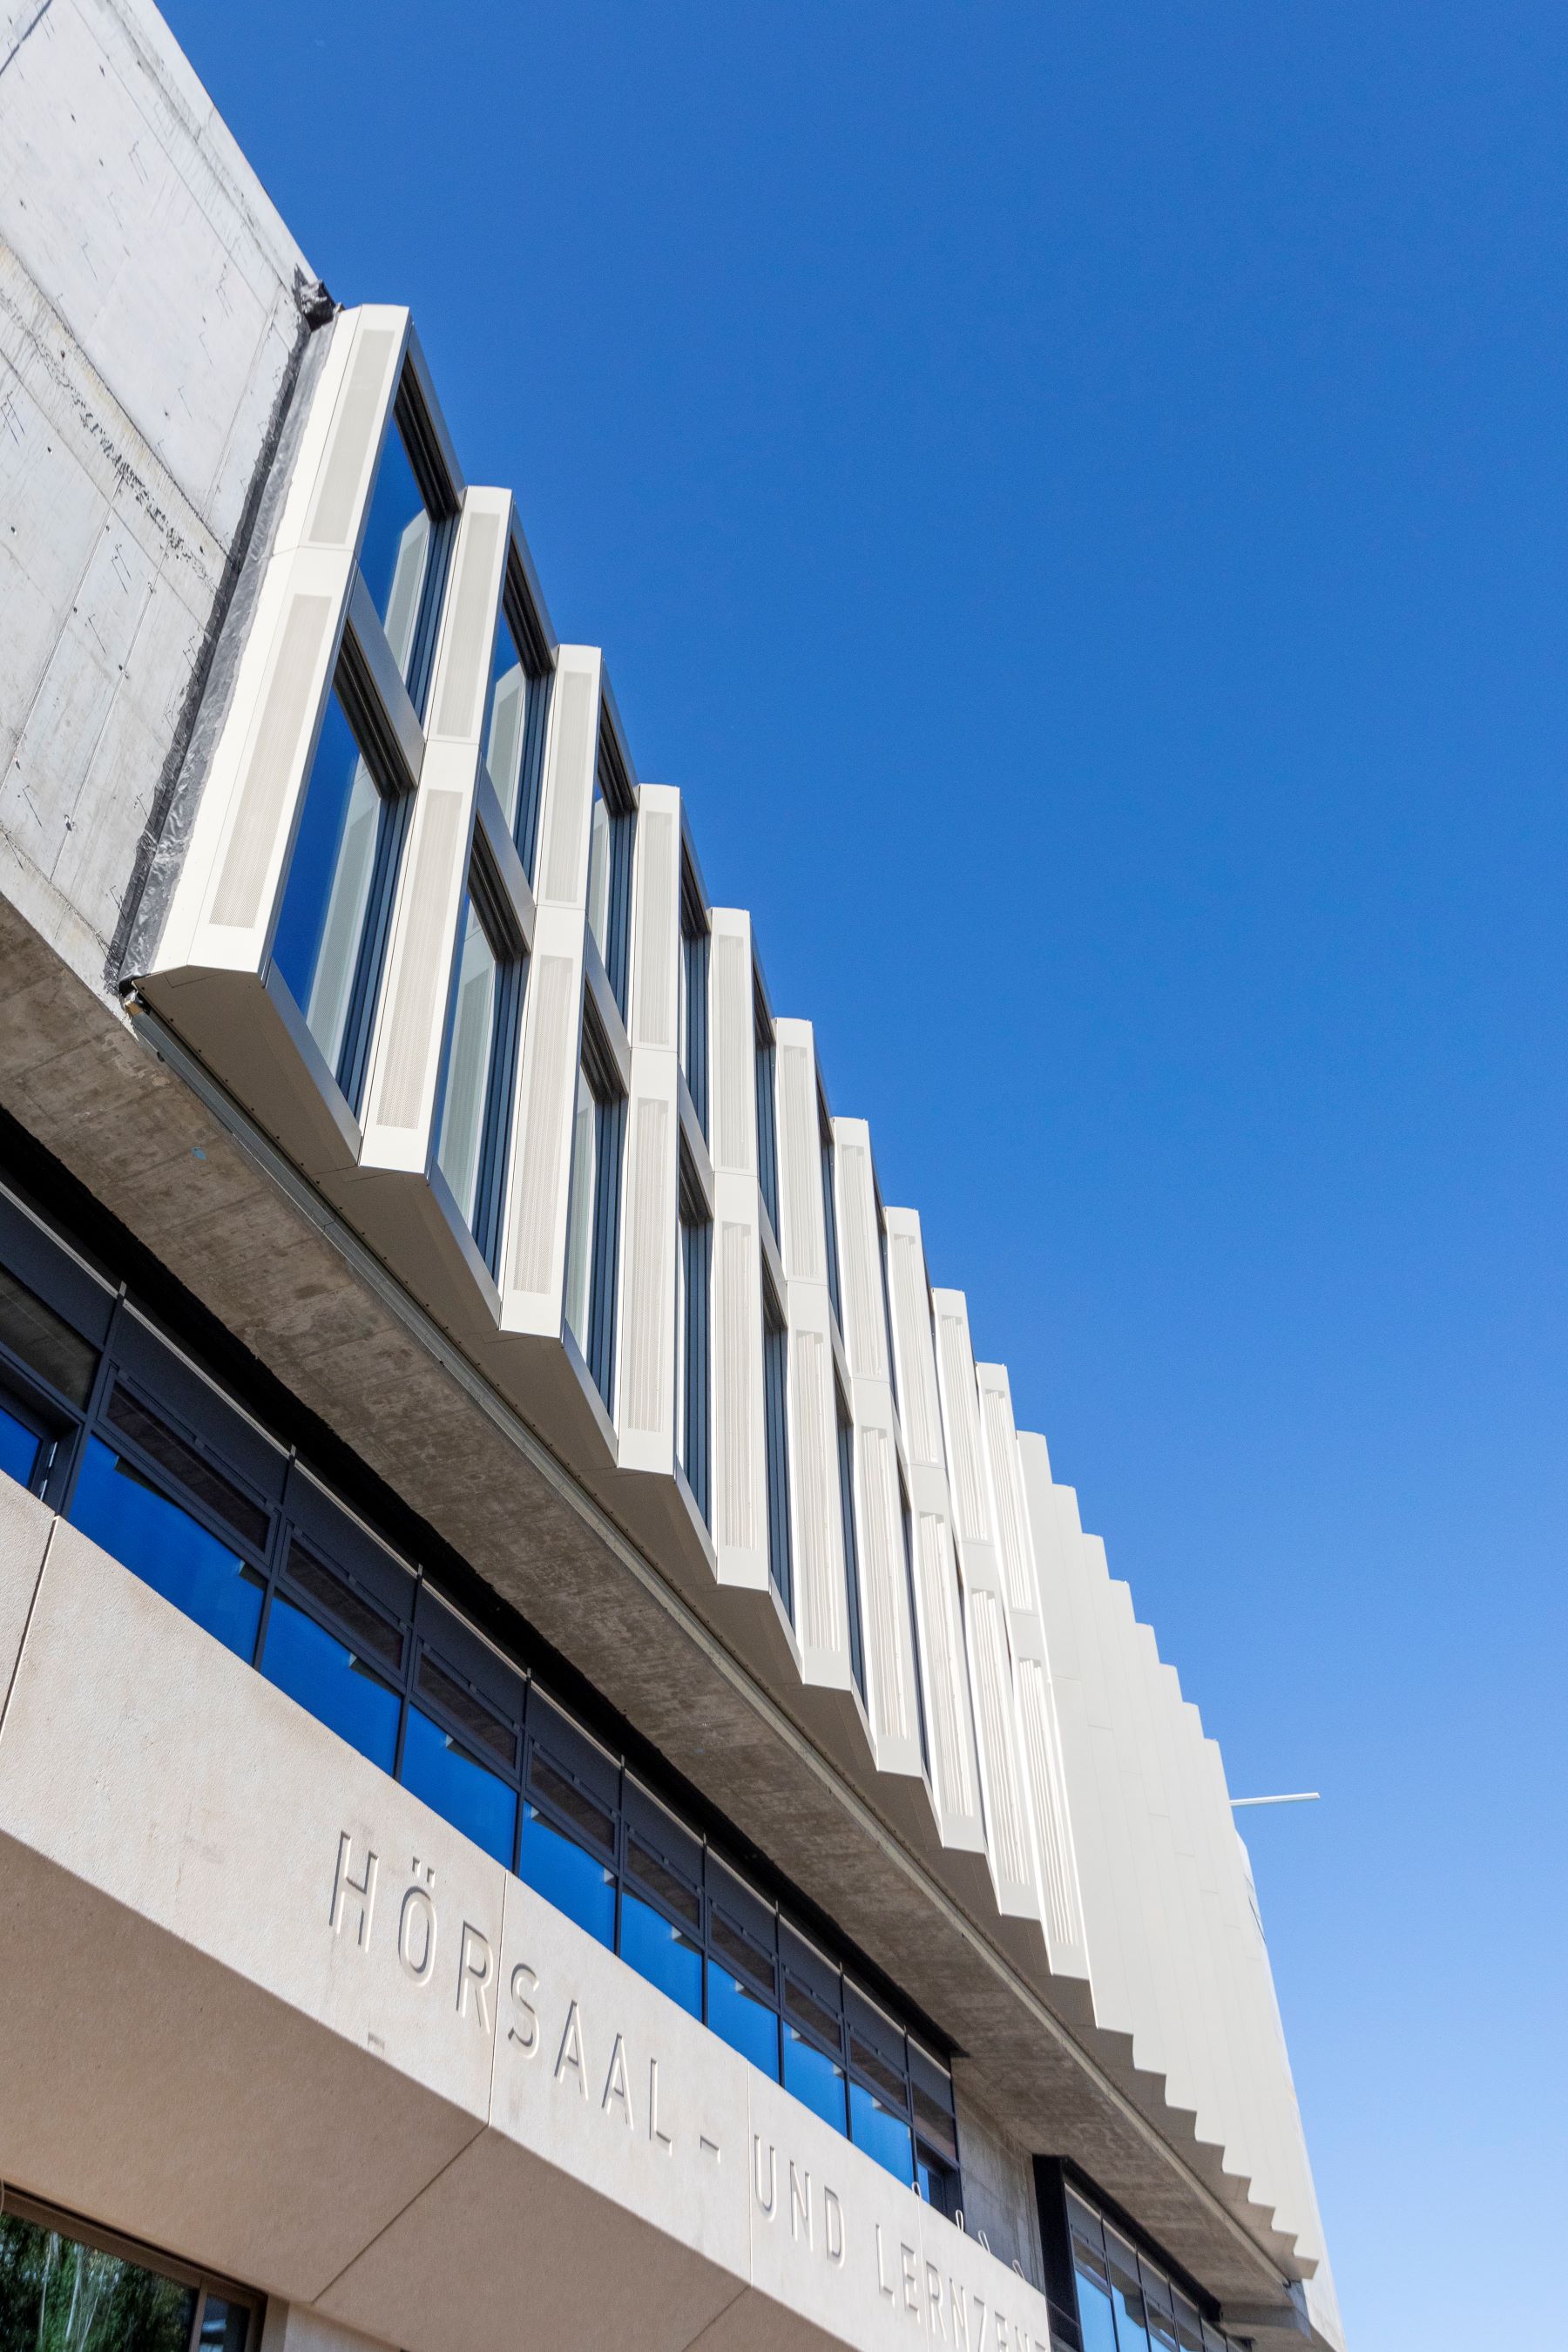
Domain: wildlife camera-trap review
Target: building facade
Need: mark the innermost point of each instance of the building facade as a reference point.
(568, 1774)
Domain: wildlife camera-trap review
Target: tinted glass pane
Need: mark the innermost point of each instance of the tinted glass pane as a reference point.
(19, 1448)
(320, 926)
(1095, 2314)
(584, 1813)
(881, 2132)
(498, 1739)
(937, 2182)
(508, 728)
(57, 2296)
(746, 2022)
(580, 1226)
(193, 1471)
(935, 2123)
(469, 1064)
(225, 2326)
(120, 1508)
(805, 2009)
(568, 1877)
(884, 2077)
(367, 1629)
(1132, 2336)
(599, 849)
(739, 1952)
(661, 1953)
(45, 1344)
(814, 2079)
(396, 551)
(457, 1787)
(650, 1874)
(327, 1679)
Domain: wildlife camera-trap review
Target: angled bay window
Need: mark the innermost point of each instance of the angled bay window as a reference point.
(694, 1342)
(407, 537)
(1127, 2302)
(481, 1054)
(330, 943)
(610, 861)
(515, 716)
(593, 1212)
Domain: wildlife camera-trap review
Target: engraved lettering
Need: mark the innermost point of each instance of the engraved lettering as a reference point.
(416, 1933)
(1000, 2325)
(524, 1983)
(912, 2283)
(345, 1887)
(799, 2202)
(832, 2225)
(571, 2050)
(981, 2308)
(615, 2081)
(958, 2310)
(476, 1967)
(933, 2297)
(653, 2130)
(770, 2201)
(882, 2285)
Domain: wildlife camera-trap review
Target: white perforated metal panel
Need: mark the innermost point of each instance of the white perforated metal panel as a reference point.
(739, 1401)
(735, 1097)
(1046, 1787)
(963, 1430)
(865, 1336)
(951, 1757)
(802, 1204)
(882, 1574)
(922, 1429)
(1012, 1528)
(658, 919)
(817, 1548)
(651, 1265)
(335, 514)
(469, 627)
(424, 962)
(549, 1091)
(272, 771)
(992, 1675)
(564, 870)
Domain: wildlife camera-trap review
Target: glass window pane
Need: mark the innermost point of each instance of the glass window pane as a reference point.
(59, 2296)
(395, 550)
(321, 922)
(225, 2326)
(508, 730)
(1094, 2311)
(46, 1344)
(661, 1952)
(881, 2132)
(578, 1885)
(468, 1065)
(599, 845)
(19, 1447)
(743, 2019)
(580, 1226)
(330, 1683)
(937, 2182)
(118, 1506)
(201, 1478)
(816, 2079)
(473, 1717)
(365, 1627)
(457, 1786)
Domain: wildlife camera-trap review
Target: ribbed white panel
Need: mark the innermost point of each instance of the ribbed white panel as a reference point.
(917, 1368)
(801, 1169)
(1059, 1884)
(962, 1428)
(274, 769)
(470, 625)
(550, 1080)
(734, 1069)
(1006, 1487)
(335, 511)
(864, 1337)
(736, 1329)
(882, 1581)
(406, 1079)
(567, 815)
(659, 838)
(819, 1540)
(952, 1753)
(650, 1269)
(992, 1675)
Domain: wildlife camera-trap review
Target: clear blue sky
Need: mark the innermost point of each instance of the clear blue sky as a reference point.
(1078, 497)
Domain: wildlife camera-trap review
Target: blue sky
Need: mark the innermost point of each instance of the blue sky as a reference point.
(1078, 497)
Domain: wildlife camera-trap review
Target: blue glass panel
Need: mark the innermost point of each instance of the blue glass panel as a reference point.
(462, 1790)
(568, 1877)
(396, 550)
(322, 1673)
(1094, 2315)
(661, 1953)
(816, 2079)
(1132, 2336)
(881, 2133)
(746, 2023)
(120, 1509)
(18, 1448)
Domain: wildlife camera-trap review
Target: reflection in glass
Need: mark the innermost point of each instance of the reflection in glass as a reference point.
(459, 1787)
(120, 1508)
(661, 1952)
(44, 1342)
(396, 551)
(814, 2078)
(1094, 2310)
(59, 2296)
(345, 822)
(882, 2132)
(19, 1448)
(560, 1871)
(225, 2326)
(469, 1064)
(580, 1225)
(508, 730)
(740, 2017)
(599, 847)
(330, 1683)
